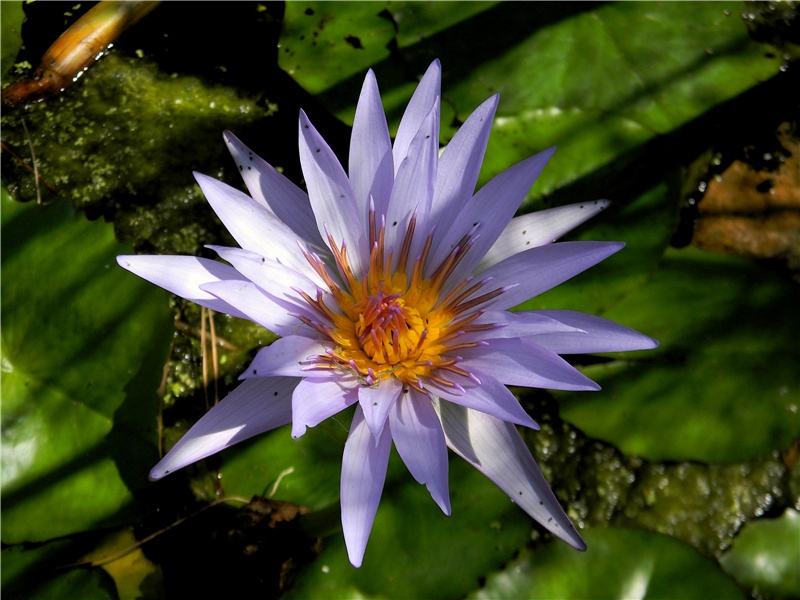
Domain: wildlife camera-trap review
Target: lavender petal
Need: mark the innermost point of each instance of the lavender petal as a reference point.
(254, 407)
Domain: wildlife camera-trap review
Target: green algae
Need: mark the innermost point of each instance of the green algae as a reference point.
(107, 144)
(703, 505)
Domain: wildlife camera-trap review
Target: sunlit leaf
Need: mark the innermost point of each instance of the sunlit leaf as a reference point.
(82, 342)
(324, 43)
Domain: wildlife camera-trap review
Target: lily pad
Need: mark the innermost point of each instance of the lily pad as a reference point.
(766, 556)
(598, 81)
(82, 347)
(324, 43)
(619, 563)
(12, 17)
(39, 573)
(724, 383)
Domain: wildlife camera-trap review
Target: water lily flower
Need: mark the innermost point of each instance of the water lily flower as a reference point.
(390, 287)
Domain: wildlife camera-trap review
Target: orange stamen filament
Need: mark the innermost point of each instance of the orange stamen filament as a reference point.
(387, 324)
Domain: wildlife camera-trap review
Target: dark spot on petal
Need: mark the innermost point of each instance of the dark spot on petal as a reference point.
(241, 168)
(374, 404)
(255, 372)
(541, 502)
(249, 168)
(319, 150)
(524, 231)
(394, 224)
(274, 393)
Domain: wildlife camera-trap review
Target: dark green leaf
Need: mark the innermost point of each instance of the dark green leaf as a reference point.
(619, 563)
(40, 573)
(724, 383)
(766, 556)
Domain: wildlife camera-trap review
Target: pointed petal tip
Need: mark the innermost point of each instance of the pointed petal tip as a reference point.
(579, 544)
(356, 558)
(436, 65)
(443, 502)
(570, 536)
(158, 472)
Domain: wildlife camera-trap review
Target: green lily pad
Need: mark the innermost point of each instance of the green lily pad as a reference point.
(724, 383)
(598, 82)
(420, 21)
(645, 224)
(82, 345)
(602, 82)
(324, 43)
(11, 19)
(619, 563)
(766, 556)
(39, 574)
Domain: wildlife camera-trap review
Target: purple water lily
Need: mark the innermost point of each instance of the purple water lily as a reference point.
(390, 289)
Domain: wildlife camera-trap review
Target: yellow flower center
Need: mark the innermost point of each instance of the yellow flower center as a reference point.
(389, 324)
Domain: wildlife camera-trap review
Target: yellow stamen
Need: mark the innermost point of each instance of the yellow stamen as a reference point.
(388, 324)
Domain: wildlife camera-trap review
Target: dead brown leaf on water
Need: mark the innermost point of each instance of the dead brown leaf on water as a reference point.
(755, 212)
